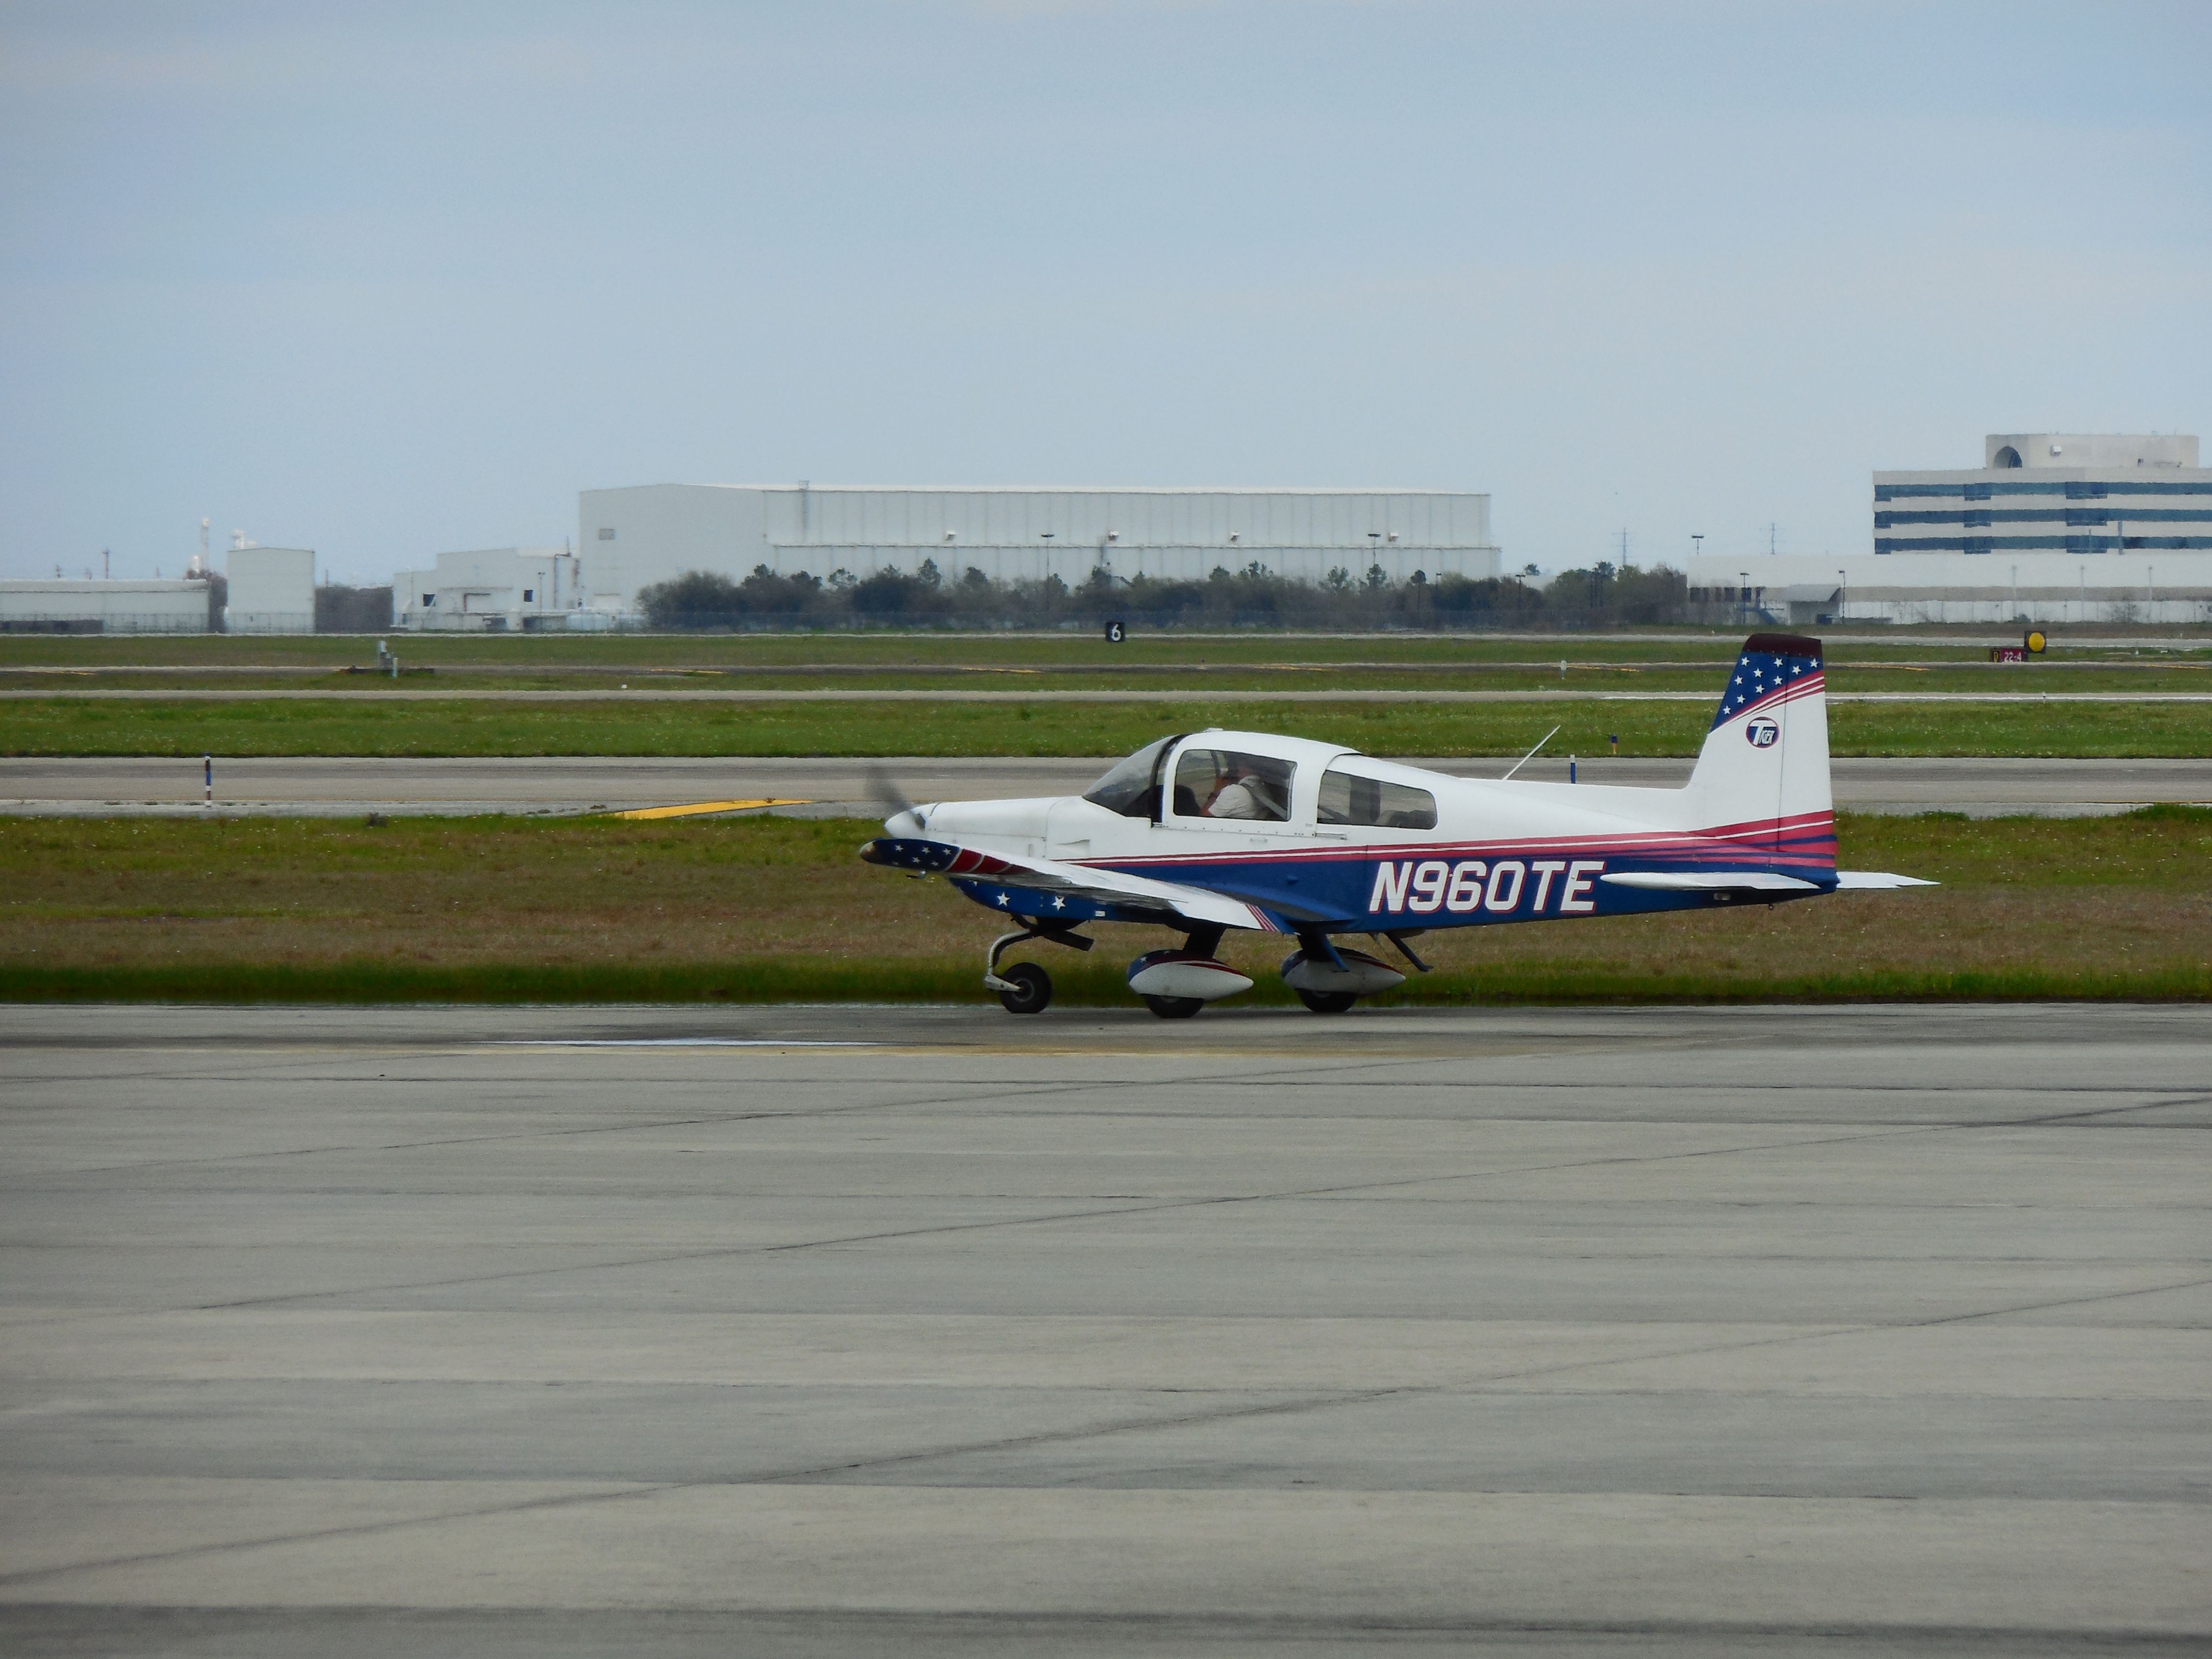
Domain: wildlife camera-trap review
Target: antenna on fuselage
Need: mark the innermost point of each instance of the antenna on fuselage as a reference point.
(1531, 755)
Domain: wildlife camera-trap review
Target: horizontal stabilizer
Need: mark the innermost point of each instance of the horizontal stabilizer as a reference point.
(1870, 880)
(1711, 881)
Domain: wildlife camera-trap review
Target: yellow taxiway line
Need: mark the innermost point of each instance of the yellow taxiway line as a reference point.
(696, 807)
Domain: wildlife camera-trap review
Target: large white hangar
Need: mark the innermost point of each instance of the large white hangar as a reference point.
(630, 538)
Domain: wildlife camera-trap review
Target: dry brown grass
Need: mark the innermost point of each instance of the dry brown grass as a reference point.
(2092, 902)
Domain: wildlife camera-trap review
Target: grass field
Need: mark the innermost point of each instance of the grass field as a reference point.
(664, 651)
(44, 727)
(1209, 662)
(2127, 676)
(775, 910)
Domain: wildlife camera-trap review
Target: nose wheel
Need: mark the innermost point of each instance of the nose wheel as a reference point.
(1026, 989)
(1328, 1002)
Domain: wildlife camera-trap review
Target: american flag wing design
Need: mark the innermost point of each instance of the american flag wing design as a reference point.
(969, 866)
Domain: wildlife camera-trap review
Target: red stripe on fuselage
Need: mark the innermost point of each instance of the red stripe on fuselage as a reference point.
(1719, 841)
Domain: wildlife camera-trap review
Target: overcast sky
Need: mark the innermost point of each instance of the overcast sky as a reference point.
(385, 279)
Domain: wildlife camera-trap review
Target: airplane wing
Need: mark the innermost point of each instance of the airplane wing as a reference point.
(1010, 881)
(1849, 881)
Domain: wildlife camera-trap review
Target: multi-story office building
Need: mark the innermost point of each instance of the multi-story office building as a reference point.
(2049, 492)
(2054, 527)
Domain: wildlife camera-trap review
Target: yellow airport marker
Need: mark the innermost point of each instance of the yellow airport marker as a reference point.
(697, 807)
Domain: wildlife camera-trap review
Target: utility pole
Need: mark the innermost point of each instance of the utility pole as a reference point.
(1771, 530)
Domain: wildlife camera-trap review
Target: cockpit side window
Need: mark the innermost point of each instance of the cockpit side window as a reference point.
(1224, 783)
(1133, 787)
(1348, 799)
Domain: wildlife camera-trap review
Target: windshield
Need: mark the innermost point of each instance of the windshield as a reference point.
(1131, 789)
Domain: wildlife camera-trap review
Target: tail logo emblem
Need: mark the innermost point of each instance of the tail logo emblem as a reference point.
(1762, 734)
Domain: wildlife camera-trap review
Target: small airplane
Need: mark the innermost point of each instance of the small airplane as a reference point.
(1206, 831)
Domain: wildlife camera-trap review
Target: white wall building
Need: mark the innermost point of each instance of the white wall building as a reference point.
(1962, 587)
(630, 538)
(490, 590)
(272, 589)
(2053, 527)
(2053, 492)
(66, 606)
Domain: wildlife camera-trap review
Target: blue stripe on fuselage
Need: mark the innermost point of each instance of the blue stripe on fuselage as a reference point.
(1363, 893)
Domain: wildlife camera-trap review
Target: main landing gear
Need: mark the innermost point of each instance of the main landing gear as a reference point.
(1330, 978)
(1175, 1007)
(1176, 984)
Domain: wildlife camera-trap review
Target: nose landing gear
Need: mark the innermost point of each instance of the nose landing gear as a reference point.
(1028, 989)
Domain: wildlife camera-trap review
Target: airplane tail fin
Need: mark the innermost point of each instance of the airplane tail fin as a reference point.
(1762, 777)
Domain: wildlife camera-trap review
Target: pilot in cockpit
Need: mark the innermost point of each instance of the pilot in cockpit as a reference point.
(1242, 793)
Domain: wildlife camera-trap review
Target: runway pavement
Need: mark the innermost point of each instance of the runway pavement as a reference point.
(336, 786)
(561, 1331)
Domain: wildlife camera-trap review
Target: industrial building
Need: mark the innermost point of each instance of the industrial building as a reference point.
(95, 605)
(2053, 527)
(630, 538)
(494, 590)
(272, 589)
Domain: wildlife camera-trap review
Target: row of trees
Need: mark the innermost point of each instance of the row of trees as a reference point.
(1601, 597)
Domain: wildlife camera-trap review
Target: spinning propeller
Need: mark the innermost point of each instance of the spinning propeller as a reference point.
(884, 791)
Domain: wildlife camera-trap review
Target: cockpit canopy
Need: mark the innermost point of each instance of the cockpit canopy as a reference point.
(1253, 778)
(1133, 787)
